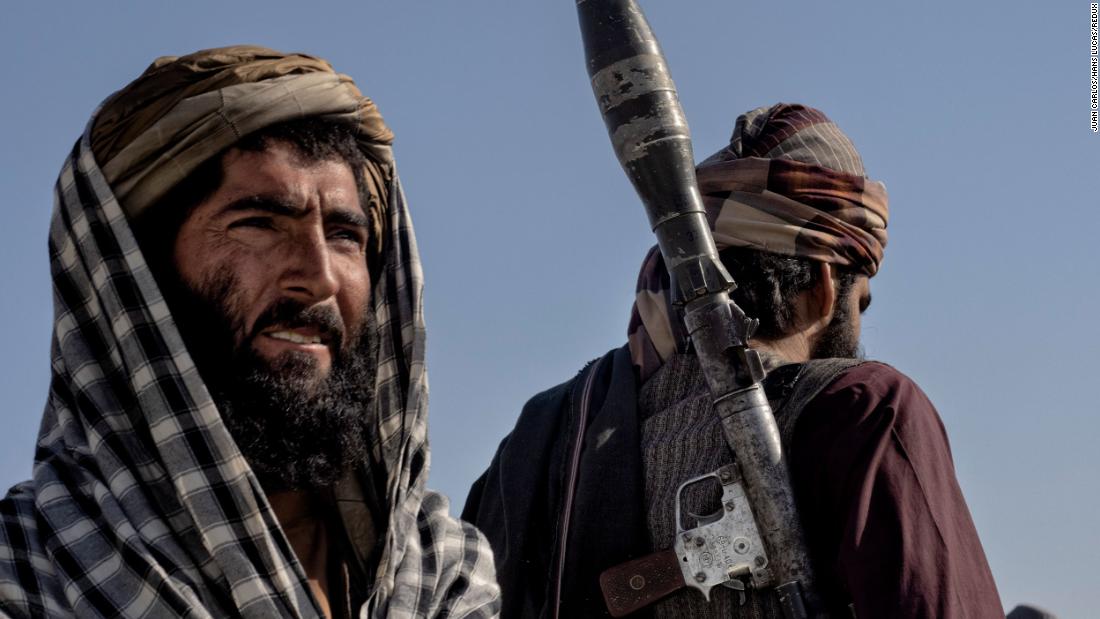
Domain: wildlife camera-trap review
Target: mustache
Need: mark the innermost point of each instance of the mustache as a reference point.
(292, 314)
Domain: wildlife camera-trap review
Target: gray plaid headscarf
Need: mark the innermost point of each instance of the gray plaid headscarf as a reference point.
(140, 502)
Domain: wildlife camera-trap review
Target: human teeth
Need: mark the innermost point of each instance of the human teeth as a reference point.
(291, 336)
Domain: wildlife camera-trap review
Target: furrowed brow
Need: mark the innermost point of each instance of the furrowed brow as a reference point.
(347, 217)
(273, 205)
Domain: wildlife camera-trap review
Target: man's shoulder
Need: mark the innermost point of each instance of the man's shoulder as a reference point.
(460, 553)
(876, 393)
(539, 433)
(873, 377)
(551, 399)
(540, 415)
(877, 372)
(17, 510)
(23, 560)
(18, 527)
(546, 406)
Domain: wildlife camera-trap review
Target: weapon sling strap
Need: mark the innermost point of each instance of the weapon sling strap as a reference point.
(637, 583)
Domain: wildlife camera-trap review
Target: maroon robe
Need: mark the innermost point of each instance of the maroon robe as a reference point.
(884, 514)
(887, 523)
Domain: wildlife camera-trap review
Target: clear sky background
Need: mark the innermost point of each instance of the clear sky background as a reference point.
(975, 114)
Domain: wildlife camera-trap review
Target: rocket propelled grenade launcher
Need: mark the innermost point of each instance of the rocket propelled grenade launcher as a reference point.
(649, 133)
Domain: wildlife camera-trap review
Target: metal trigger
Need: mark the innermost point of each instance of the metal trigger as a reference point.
(737, 585)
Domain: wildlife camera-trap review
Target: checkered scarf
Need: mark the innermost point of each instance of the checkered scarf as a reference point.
(140, 502)
(789, 182)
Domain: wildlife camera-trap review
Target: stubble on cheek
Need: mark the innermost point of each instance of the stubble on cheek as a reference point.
(204, 315)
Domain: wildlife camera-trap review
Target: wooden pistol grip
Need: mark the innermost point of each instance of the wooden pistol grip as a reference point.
(638, 583)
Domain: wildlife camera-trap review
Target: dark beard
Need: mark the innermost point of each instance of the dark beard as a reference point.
(839, 339)
(297, 432)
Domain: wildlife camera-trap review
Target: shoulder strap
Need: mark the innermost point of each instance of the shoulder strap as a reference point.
(812, 378)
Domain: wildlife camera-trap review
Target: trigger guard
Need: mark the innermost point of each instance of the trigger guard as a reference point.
(703, 519)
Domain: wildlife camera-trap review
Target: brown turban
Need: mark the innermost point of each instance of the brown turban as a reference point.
(183, 110)
(789, 182)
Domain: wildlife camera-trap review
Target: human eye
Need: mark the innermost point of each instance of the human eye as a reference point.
(864, 303)
(348, 235)
(259, 222)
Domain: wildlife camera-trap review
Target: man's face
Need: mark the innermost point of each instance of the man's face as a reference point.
(271, 294)
(291, 237)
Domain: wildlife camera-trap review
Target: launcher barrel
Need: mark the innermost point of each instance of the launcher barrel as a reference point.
(650, 136)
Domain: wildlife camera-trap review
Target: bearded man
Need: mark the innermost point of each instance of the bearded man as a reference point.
(587, 479)
(236, 423)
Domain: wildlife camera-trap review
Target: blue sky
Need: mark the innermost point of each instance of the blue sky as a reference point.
(974, 114)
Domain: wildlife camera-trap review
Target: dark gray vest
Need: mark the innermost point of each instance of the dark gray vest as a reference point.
(682, 438)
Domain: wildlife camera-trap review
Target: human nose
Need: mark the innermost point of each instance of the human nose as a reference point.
(309, 275)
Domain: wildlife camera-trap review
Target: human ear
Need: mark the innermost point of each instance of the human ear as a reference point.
(822, 301)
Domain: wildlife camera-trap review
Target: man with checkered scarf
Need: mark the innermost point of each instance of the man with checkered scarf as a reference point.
(236, 422)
